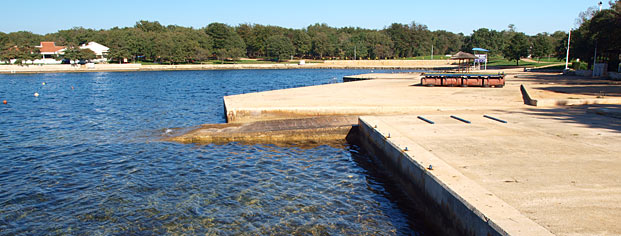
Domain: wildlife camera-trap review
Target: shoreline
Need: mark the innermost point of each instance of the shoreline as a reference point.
(440, 65)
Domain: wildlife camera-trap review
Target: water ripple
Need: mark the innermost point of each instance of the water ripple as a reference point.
(85, 161)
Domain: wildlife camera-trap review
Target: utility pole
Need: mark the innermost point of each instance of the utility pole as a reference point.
(355, 58)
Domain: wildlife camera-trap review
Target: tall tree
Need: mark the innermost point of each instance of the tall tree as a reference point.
(226, 42)
(542, 45)
(279, 47)
(517, 48)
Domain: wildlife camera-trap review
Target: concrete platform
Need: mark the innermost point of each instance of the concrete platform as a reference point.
(558, 168)
(411, 76)
(549, 170)
(367, 97)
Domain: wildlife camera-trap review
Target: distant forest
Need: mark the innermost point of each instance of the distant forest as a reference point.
(153, 42)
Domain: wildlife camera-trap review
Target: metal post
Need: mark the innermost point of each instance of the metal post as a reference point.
(432, 51)
(567, 56)
(595, 54)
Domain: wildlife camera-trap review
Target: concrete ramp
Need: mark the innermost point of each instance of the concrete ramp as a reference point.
(301, 132)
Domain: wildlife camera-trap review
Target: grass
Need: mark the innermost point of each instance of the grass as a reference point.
(558, 67)
(502, 62)
(242, 61)
(551, 59)
(428, 57)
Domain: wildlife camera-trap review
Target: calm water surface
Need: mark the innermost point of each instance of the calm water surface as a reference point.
(86, 161)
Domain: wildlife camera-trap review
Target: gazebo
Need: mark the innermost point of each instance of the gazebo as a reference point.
(464, 60)
(480, 57)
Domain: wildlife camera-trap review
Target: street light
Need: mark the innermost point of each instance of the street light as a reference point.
(595, 54)
(567, 57)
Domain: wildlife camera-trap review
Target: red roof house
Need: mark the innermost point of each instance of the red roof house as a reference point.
(49, 48)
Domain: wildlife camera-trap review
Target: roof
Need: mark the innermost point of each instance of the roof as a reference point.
(94, 45)
(463, 55)
(480, 49)
(49, 47)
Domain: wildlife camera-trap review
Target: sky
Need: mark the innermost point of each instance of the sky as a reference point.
(458, 16)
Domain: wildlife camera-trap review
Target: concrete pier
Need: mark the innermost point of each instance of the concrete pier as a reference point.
(534, 175)
(550, 169)
(366, 97)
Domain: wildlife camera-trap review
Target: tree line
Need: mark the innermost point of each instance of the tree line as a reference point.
(154, 42)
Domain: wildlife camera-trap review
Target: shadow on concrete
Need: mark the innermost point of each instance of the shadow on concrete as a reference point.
(601, 91)
(556, 78)
(593, 116)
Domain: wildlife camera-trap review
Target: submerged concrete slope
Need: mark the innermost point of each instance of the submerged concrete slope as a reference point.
(563, 175)
(367, 97)
(307, 131)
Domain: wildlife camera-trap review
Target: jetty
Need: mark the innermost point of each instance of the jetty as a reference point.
(538, 156)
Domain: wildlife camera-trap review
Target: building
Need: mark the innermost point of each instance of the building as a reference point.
(49, 53)
(99, 50)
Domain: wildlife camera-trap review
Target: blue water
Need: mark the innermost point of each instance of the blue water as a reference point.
(83, 158)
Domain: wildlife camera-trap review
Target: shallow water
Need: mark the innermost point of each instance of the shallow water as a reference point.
(83, 158)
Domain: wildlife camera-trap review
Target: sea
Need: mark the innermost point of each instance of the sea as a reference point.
(85, 157)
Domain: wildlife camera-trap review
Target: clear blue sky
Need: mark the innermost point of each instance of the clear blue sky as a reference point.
(529, 16)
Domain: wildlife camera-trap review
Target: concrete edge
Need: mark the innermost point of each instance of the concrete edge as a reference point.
(271, 113)
(472, 210)
(526, 97)
(528, 100)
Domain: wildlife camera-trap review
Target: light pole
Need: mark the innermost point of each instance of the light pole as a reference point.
(595, 54)
(567, 57)
(431, 51)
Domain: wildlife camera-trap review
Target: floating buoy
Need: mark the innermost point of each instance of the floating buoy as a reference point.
(36, 94)
(4, 102)
(43, 83)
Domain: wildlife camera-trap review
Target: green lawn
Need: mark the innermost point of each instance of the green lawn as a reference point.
(551, 59)
(499, 61)
(428, 57)
(218, 62)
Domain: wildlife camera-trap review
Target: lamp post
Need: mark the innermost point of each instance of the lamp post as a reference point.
(595, 54)
(567, 57)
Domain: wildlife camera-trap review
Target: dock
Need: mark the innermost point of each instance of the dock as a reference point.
(548, 169)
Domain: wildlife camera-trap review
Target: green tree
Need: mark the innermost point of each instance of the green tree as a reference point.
(226, 42)
(302, 43)
(118, 54)
(542, 46)
(598, 30)
(21, 54)
(23, 38)
(517, 48)
(380, 45)
(488, 39)
(279, 47)
(74, 53)
(446, 42)
(323, 40)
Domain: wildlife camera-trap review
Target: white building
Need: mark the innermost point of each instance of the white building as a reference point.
(49, 53)
(99, 50)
